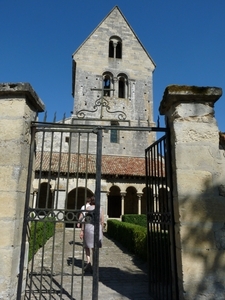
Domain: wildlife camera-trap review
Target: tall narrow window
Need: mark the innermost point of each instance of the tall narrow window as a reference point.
(114, 133)
(119, 50)
(122, 86)
(115, 47)
(111, 49)
(44, 197)
(107, 84)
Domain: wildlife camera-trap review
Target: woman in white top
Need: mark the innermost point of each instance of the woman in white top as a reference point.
(87, 234)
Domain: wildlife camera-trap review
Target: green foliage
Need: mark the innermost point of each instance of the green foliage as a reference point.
(133, 237)
(135, 219)
(40, 232)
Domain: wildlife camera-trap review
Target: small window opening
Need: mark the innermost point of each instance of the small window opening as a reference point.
(114, 133)
(119, 50)
(107, 86)
(115, 47)
(121, 88)
(111, 49)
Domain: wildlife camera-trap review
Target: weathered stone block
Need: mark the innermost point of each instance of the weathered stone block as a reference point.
(12, 108)
(205, 161)
(7, 236)
(8, 204)
(193, 182)
(196, 133)
(13, 178)
(16, 129)
(13, 151)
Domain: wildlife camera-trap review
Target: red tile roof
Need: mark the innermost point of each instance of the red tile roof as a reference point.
(111, 165)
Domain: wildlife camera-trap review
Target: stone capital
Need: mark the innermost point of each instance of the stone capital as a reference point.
(8, 90)
(177, 94)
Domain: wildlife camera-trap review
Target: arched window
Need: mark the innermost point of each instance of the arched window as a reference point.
(114, 202)
(44, 197)
(107, 84)
(122, 86)
(115, 47)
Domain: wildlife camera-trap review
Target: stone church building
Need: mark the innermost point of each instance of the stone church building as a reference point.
(112, 87)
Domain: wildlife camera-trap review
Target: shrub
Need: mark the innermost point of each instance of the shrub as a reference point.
(133, 237)
(135, 219)
(40, 232)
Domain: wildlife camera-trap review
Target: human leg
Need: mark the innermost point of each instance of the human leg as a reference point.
(88, 266)
(88, 255)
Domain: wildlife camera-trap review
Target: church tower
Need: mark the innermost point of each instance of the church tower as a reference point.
(112, 86)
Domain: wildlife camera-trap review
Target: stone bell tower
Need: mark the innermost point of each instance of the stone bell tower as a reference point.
(112, 85)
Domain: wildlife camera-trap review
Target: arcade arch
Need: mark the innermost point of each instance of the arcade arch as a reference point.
(77, 198)
(44, 197)
(131, 201)
(114, 202)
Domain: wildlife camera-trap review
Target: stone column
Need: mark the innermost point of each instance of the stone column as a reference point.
(34, 198)
(115, 42)
(122, 203)
(198, 171)
(139, 202)
(115, 87)
(19, 106)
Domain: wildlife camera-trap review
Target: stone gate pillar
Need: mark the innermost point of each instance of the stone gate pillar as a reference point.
(19, 105)
(198, 172)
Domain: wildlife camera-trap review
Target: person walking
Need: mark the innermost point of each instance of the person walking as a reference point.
(87, 235)
(83, 209)
(82, 220)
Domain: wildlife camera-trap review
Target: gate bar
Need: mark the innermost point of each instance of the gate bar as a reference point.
(80, 127)
(97, 215)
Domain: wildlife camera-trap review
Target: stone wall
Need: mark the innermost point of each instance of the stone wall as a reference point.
(198, 167)
(19, 106)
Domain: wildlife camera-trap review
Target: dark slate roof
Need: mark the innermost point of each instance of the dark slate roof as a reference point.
(74, 163)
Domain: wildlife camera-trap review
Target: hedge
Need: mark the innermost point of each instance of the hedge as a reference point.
(133, 237)
(40, 232)
(135, 219)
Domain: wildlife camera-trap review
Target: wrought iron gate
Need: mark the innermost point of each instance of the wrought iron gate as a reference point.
(55, 268)
(64, 156)
(160, 221)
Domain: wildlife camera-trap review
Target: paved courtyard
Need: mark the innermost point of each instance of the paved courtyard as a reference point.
(122, 276)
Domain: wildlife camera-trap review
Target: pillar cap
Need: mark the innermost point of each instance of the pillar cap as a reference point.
(175, 94)
(22, 88)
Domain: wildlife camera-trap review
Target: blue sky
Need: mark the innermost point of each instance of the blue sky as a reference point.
(185, 38)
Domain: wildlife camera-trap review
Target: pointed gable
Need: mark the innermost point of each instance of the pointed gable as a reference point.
(92, 56)
(115, 17)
